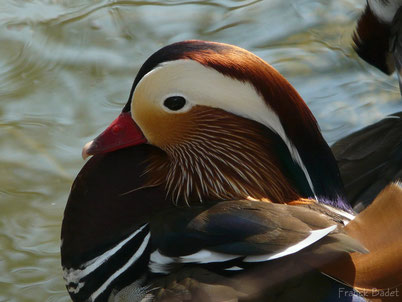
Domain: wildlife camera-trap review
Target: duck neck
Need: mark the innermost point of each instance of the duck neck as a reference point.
(227, 159)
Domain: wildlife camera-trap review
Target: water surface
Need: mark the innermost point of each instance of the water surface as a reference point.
(66, 68)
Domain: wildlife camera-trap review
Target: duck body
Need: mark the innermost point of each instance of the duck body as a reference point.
(209, 186)
(202, 243)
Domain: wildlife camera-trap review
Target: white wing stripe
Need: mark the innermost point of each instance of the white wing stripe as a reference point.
(159, 262)
(205, 256)
(348, 216)
(234, 268)
(313, 237)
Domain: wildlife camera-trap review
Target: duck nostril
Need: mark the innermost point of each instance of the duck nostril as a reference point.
(116, 129)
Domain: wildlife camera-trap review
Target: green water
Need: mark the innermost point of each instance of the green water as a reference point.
(66, 67)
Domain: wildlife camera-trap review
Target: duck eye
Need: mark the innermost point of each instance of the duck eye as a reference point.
(175, 103)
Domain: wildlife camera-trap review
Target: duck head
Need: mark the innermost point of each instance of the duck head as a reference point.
(225, 125)
(378, 35)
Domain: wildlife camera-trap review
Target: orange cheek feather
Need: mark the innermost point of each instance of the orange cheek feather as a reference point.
(162, 128)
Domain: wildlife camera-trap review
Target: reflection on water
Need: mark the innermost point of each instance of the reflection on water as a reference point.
(65, 71)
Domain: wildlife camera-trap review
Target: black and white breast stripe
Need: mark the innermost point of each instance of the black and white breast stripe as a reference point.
(94, 280)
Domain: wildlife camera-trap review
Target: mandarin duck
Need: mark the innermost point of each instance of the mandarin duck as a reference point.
(371, 158)
(215, 184)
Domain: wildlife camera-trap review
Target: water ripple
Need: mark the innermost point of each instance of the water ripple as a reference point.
(66, 69)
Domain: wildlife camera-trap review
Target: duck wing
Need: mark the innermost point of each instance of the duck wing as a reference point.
(243, 249)
(242, 230)
(370, 159)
